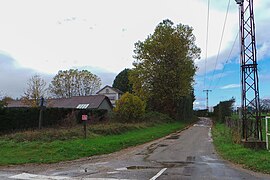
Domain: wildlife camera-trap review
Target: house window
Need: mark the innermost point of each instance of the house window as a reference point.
(112, 97)
(107, 91)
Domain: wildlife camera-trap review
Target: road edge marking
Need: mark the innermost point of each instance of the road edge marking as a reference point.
(158, 174)
(37, 176)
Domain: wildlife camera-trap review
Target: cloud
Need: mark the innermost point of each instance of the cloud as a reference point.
(199, 103)
(262, 15)
(212, 63)
(230, 86)
(13, 77)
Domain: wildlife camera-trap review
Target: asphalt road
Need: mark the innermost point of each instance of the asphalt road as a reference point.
(183, 155)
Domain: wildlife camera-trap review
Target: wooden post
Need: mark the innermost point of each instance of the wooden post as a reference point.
(84, 119)
(84, 127)
(41, 113)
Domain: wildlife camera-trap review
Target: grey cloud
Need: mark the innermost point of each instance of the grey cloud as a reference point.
(217, 63)
(263, 39)
(13, 79)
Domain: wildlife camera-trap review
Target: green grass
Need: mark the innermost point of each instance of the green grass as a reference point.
(13, 151)
(257, 160)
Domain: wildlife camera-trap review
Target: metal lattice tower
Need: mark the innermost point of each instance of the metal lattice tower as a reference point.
(207, 98)
(251, 117)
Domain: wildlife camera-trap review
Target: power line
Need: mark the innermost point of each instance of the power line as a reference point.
(222, 35)
(206, 43)
(227, 60)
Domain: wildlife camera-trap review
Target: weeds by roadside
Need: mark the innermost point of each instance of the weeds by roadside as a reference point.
(38, 151)
(257, 160)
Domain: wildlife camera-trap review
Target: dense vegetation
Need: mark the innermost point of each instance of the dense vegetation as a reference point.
(223, 109)
(19, 119)
(164, 69)
(129, 108)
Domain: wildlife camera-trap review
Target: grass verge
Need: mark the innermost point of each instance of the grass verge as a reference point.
(42, 151)
(256, 160)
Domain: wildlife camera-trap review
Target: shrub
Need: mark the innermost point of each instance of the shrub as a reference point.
(157, 117)
(223, 109)
(129, 108)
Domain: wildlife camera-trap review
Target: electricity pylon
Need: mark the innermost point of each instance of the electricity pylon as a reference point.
(251, 116)
(207, 99)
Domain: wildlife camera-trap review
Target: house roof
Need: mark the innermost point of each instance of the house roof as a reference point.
(94, 102)
(115, 89)
(16, 103)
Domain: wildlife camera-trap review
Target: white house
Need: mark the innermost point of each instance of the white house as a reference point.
(112, 93)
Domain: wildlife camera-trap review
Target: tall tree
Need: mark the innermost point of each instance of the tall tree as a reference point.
(73, 82)
(122, 82)
(36, 88)
(164, 67)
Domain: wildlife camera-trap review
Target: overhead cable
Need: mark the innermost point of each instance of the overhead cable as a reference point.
(206, 43)
(220, 43)
(226, 62)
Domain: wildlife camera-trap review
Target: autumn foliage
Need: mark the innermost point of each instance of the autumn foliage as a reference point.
(129, 108)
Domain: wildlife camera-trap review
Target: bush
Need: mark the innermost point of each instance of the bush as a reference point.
(157, 117)
(223, 109)
(129, 108)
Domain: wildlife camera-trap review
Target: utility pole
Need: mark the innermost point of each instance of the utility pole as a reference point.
(207, 91)
(251, 115)
(41, 113)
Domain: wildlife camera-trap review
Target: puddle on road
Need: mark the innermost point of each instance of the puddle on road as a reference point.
(190, 159)
(162, 145)
(203, 122)
(175, 164)
(173, 137)
(141, 167)
(163, 165)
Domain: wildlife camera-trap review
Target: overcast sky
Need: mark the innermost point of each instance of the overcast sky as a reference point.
(45, 36)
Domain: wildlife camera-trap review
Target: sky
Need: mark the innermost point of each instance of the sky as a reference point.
(45, 36)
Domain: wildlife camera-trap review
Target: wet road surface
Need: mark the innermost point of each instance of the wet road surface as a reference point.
(182, 155)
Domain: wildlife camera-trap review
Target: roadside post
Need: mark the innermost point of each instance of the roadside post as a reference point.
(84, 119)
(42, 107)
(267, 132)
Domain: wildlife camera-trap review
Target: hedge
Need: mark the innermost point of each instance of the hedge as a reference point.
(15, 119)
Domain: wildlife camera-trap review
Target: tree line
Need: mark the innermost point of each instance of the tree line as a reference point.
(65, 84)
(162, 75)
